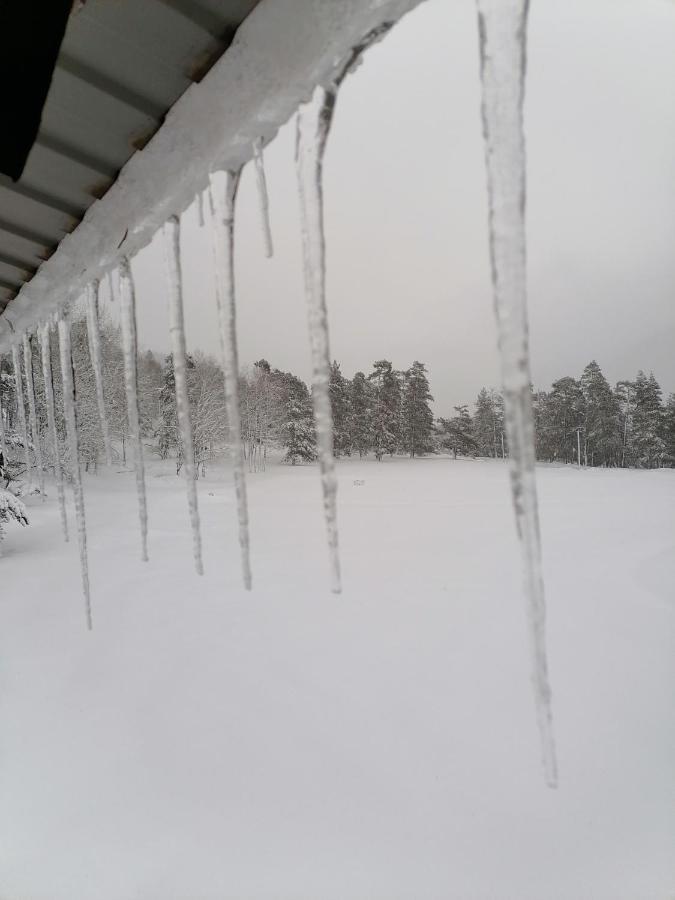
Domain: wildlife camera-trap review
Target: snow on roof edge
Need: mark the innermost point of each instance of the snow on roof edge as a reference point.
(280, 53)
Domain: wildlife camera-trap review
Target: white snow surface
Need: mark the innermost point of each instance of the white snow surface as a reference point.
(205, 742)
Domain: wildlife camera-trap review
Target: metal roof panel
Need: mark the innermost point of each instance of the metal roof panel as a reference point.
(121, 67)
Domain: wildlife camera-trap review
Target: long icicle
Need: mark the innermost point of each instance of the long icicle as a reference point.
(21, 411)
(32, 410)
(313, 125)
(178, 348)
(130, 347)
(3, 436)
(502, 28)
(70, 413)
(200, 208)
(263, 198)
(94, 337)
(223, 195)
(48, 378)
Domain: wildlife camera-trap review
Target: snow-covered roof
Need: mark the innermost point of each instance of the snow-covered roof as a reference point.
(119, 69)
(114, 82)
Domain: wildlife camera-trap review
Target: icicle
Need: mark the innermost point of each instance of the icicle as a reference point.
(130, 347)
(178, 348)
(51, 423)
(223, 194)
(111, 286)
(32, 409)
(94, 335)
(263, 198)
(313, 125)
(21, 412)
(502, 27)
(70, 414)
(3, 436)
(200, 208)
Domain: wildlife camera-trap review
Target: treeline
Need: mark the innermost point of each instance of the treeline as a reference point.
(384, 411)
(581, 420)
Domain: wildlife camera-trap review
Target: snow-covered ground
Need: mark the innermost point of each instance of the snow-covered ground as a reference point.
(206, 743)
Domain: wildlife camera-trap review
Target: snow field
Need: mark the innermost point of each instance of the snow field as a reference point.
(207, 742)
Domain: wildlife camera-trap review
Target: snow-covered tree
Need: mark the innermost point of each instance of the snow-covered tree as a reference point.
(624, 397)
(488, 422)
(456, 434)
(90, 437)
(150, 384)
(601, 436)
(360, 421)
(669, 430)
(417, 417)
(563, 417)
(386, 418)
(11, 510)
(298, 434)
(208, 413)
(259, 405)
(647, 444)
(339, 402)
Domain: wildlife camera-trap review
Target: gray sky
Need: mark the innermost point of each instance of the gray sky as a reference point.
(406, 212)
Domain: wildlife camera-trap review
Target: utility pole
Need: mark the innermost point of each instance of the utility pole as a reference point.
(579, 448)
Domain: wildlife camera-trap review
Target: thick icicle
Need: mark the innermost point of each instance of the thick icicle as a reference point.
(32, 410)
(48, 378)
(263, 198)
(111, 286)
(313, 125)
(200, 208)
(502, 28)
(70, 414)
(94, 336)
(130, 347)
(223, 195)
(21, 411)
(178, 348)
(3, 436)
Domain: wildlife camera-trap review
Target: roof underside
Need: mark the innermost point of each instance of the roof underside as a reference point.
(121, 67)
(124, 83)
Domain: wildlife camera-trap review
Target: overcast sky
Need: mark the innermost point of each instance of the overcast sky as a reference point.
(406, 212)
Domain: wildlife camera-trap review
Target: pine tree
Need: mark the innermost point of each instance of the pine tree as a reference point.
(488, 422)
(339, 401)
(456, 434)
(669, 430)
(417, 418)
(499, 424)
(298, 434)
(90, 436)
(150, 384)
(563, 420)
(386, 421)
(257, 406)
(624, 397)
(602, 440)
(168, 426)
(648, 446)
(360, 422)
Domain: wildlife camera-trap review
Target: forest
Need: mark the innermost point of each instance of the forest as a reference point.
(381, 412)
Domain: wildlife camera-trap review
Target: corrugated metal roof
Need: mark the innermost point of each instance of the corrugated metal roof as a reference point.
(121, 67)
